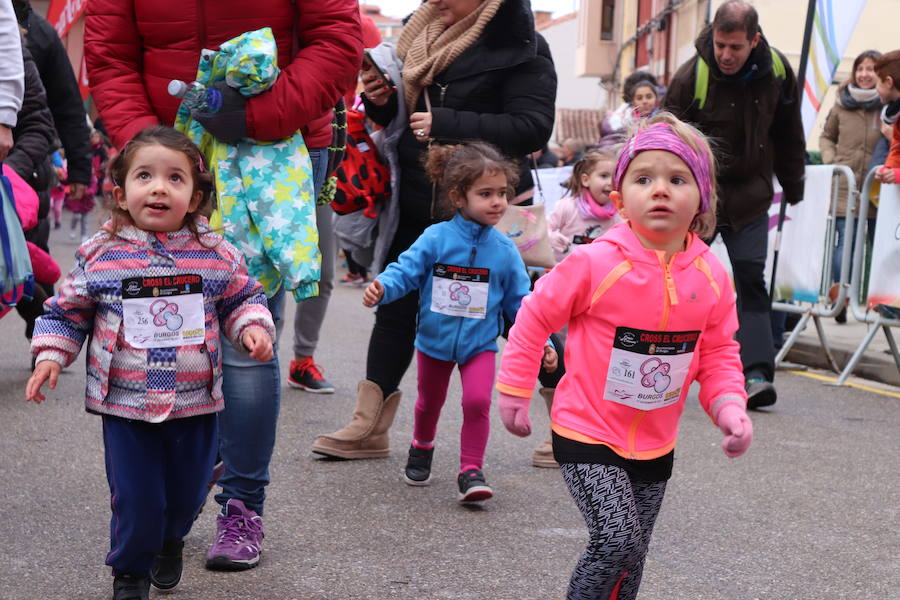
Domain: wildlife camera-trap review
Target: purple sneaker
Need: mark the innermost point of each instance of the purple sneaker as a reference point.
(239, 534)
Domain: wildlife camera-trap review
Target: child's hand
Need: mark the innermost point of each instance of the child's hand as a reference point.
(258, 343)
(373, 294)
(738, 430)
(46, 369)
(550, 360)
(514, 414)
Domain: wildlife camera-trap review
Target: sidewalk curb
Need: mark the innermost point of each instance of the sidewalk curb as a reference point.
(873, 365)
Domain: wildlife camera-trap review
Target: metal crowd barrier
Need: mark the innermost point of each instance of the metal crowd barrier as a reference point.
(820, 309)
(876, 320)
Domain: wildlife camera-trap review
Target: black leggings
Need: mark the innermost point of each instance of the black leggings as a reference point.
(392, 343)
(620, 513)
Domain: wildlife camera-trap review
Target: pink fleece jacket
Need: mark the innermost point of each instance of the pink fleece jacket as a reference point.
(640, 331)
(566, 223)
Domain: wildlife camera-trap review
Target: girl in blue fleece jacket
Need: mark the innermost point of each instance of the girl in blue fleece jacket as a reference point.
(468, 275)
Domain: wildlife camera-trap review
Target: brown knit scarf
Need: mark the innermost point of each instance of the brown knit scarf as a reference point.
(427, 46)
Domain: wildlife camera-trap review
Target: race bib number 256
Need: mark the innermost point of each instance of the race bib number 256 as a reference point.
(163, 312)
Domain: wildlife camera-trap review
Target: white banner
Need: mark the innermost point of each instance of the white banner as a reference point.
(801, 261)
(884, 278)
(832, 28)
(551, 184)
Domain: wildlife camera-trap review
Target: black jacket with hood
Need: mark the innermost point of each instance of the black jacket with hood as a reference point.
(500, 90)
(753, 121)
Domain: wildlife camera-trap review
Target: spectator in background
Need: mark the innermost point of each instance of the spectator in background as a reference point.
(545, 158)
(12, 77)
(571, 151)
(65, 104)
(616, 121)
(851, 132)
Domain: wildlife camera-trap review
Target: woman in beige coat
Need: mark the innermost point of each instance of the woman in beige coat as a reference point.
(851, 131)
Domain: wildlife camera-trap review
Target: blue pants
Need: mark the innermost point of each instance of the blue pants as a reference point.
(157, 475)
(252, 400)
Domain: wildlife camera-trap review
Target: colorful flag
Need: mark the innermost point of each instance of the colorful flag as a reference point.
(832, 28)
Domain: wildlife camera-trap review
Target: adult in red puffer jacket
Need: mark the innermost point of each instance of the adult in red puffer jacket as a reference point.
(133, 49)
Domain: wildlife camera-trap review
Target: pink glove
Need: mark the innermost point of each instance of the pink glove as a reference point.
(514, 414)
(738, 430)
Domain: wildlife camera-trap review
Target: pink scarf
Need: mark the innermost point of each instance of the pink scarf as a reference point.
(589, 209)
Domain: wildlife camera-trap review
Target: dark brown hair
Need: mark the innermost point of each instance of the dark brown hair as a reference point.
(888, 65)
(631, 80)
(736, 15)
(173, 140)
(587, 164)
(454, 168)
(872, 55)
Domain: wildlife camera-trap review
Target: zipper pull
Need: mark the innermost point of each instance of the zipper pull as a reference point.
(443, 91)
(472, 256)
(670, 287)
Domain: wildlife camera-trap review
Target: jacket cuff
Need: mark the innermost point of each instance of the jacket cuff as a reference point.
(728, 400)
(56, 356)
(510, 390)
(8, 118)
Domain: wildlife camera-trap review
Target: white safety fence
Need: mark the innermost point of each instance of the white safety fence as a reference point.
(884, 277)
(805, 255)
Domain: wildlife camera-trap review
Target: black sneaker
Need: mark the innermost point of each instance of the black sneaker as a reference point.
(166, 571)
(472, 486)
(128, 586)
(306, 375)
(418, 466)
(760, 393)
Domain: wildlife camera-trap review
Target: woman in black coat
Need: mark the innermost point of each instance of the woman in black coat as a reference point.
(473, 70)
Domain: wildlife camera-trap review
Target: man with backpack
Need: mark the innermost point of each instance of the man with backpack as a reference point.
(742, 93)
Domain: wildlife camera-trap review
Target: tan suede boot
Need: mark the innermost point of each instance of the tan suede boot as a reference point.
(367, 434)
(543, 454)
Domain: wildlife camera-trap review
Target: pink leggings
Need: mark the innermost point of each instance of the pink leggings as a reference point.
(477, 382)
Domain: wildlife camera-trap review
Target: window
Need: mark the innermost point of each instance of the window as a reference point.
(606, 20)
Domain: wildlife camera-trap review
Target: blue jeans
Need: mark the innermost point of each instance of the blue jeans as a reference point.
(252, 393)
(839, 244)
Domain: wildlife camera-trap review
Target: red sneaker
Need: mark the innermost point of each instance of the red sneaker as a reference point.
(306, 375)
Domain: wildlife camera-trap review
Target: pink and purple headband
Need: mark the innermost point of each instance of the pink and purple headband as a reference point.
(661, 136)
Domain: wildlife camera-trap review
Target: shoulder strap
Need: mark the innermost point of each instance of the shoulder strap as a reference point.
(777, 65)
(701, 82)
(701, 76)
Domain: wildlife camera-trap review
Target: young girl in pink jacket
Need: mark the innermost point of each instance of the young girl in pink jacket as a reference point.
(586, 212)
(650, 310)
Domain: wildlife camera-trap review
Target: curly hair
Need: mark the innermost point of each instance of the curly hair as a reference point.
(453, 168)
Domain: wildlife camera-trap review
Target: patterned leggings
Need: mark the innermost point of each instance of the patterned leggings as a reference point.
(620, 513)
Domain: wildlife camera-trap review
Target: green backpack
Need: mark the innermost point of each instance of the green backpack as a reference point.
(701, 76)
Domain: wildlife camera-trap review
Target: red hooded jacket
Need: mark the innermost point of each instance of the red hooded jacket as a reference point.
(133, 49)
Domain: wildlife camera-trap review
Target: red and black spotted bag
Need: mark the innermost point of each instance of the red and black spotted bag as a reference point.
(363, 177)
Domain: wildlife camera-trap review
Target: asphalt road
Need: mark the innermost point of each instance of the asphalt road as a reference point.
(811, 511)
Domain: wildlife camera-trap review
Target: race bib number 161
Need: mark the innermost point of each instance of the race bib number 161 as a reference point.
(648, 369)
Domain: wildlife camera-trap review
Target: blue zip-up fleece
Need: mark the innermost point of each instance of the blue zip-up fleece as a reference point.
(461, 243)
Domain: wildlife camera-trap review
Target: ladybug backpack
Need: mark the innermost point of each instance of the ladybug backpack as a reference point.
(363, 177)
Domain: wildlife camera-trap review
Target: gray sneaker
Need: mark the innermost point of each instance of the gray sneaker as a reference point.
(760, 393)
